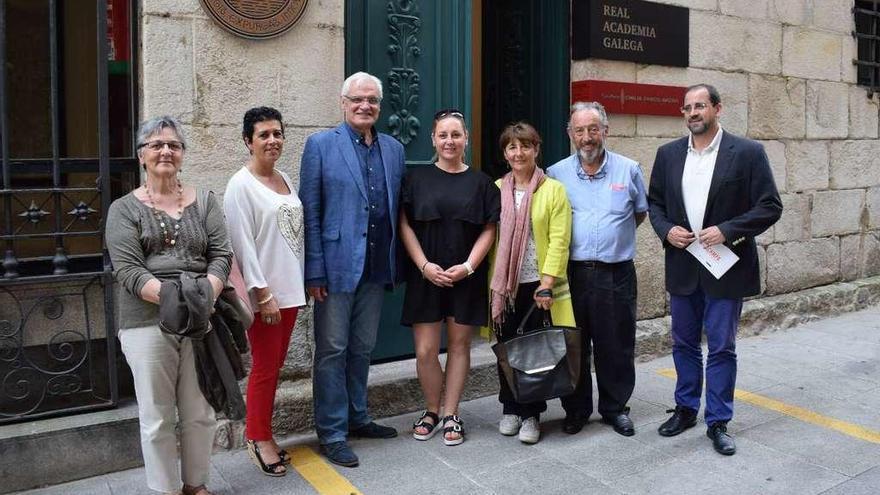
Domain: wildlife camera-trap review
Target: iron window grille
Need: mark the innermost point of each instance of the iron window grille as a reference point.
(67, 107)
(866, 15)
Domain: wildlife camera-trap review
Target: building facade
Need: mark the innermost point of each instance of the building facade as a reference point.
(784, 69)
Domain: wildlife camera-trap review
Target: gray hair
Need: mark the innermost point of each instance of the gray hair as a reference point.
(589, 105)
(151, 127)
(359, 77)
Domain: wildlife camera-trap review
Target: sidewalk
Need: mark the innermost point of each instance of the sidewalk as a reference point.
(806, 422)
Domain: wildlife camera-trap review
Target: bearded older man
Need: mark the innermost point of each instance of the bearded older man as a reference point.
(607, 195)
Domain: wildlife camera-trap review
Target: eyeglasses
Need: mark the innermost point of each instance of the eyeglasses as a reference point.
(591, 130)
(697, 106)
(583, 175)
(449, 112)
(157, 146)
(357, 100)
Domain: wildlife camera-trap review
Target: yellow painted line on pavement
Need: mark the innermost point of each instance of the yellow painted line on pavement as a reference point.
(800, 413)
(323, 478)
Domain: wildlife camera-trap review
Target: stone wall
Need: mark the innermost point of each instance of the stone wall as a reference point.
(784, 70)
(194, 70)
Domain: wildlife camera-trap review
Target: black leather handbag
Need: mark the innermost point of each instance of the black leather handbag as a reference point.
(543, 363)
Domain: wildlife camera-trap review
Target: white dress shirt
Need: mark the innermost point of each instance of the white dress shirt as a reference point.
(696, 179)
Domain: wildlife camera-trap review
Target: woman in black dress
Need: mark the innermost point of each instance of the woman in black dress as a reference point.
(447, 225)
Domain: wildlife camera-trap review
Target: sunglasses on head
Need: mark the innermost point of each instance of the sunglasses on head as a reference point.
(449, 112)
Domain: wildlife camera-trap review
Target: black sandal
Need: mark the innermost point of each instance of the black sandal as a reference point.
(432, 428)
(457, 427)
(267, 469)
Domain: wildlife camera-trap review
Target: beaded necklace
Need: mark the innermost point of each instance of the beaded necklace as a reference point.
(169, 237)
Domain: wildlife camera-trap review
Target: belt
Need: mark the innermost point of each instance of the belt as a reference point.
(596, 265)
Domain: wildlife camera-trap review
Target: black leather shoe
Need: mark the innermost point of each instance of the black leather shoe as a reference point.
(682, 419)
(621, 423)
(574, 423)
(339, 453)
(721, 440)
(373, 430)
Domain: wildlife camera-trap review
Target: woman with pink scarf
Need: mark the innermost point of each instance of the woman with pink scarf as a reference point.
(531, 256)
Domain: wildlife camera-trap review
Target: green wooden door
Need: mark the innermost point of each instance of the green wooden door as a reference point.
(525, 64)
(421, 52)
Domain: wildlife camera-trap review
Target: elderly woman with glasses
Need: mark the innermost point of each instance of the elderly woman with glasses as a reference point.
(153, 234)
(447, 225)
(266, 227)
(531, 259)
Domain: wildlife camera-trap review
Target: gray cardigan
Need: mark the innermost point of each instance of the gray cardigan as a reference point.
(138, 251)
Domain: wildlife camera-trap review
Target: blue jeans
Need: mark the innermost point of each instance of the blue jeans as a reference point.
(346, 324)
(721, 320)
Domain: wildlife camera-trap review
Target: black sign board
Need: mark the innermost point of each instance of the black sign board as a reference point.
(633, 30)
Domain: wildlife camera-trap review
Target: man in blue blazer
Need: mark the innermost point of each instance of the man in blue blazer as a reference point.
(714, 188)
(349, 186)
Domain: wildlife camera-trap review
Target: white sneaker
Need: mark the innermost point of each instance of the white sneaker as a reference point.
(509, 425)
(530, 431)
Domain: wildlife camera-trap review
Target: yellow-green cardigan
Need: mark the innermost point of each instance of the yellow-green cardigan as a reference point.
(551, 228)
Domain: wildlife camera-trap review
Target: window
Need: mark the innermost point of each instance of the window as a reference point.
(866, 14)
(63, 99)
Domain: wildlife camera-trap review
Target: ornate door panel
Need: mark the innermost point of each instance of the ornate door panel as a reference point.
(420, 49)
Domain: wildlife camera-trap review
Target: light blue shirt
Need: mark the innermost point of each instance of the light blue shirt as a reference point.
(603, 208)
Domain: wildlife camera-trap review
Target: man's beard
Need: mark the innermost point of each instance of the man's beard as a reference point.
(591, 156)
(701, 127)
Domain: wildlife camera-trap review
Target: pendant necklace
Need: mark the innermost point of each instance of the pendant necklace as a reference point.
(170, 237)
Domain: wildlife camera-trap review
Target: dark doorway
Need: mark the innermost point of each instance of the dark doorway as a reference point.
(525, 74)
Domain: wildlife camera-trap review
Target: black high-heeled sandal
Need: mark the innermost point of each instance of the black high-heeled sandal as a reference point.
(267, 469)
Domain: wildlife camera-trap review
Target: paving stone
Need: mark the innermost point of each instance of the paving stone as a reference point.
(545, 476)
(607, 456)
(832, 450)
(757, 468)
(91, 486)
(864, 484)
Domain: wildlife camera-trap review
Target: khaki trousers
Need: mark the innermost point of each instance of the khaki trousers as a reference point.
(169, 398)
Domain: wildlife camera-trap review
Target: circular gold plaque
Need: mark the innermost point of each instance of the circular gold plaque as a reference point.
(256, 19)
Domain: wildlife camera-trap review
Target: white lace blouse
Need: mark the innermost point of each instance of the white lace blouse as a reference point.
(267, 234)
(529, 270)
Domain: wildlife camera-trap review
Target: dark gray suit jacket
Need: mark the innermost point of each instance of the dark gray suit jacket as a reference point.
(743, 202)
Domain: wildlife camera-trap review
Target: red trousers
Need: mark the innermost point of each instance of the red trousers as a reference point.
(268, 350)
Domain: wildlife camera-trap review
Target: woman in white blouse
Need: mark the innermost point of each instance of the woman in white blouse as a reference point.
(266, 229)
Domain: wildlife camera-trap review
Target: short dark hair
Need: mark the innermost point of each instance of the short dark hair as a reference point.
(258, 114)
(520, 131)
(714, 95)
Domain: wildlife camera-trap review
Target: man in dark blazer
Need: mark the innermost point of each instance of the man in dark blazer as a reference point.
(349, 186)
(714, 188)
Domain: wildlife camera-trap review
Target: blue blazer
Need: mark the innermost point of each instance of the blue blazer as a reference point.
(335, 207)
(743, 202)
